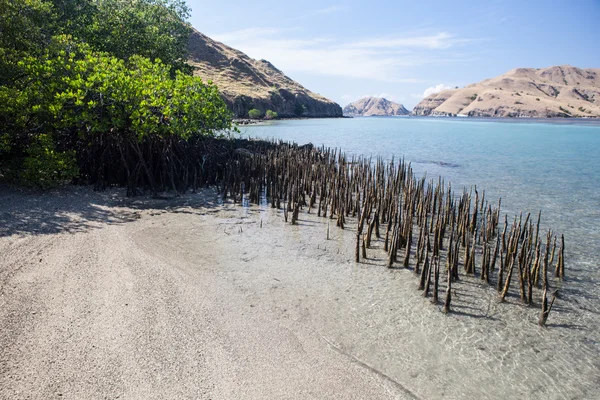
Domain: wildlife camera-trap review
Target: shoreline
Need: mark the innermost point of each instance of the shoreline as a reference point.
(112, 285)
(537, 120)
(261, 121)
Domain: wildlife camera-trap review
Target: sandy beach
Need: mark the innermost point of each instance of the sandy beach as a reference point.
(105, 297)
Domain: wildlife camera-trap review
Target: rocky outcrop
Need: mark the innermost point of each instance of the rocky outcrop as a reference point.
(562, 91)
(374, 106)
(246, 83)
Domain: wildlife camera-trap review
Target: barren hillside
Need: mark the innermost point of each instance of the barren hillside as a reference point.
(562, 91)
(246, 83)
(374, 106)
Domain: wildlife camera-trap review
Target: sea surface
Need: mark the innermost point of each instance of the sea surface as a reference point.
(547, 165)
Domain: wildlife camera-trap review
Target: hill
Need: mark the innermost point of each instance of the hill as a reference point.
(561, 91)
(374, 106)
(246, 83)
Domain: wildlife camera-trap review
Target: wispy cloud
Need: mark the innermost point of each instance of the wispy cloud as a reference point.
(245, 35)
(382, 59)
(441, 40)
(319, 12)
(384, 95)
(349, 98)
(329, 10)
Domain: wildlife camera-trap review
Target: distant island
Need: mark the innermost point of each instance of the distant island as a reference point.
(374, 106)
(561, 91)
(246, 84)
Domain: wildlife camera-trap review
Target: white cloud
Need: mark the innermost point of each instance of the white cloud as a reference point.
(375, 59)
(442, 40)
(325, 11)
(329, 10)
(348, 98)
(242, 34)
(435, 89)
(388, 96)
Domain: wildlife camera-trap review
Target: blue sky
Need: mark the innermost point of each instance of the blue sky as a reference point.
(402, 50)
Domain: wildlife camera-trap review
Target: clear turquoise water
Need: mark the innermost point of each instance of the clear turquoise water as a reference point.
(552, 166)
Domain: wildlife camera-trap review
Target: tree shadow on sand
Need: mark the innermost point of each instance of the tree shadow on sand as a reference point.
(76, 209)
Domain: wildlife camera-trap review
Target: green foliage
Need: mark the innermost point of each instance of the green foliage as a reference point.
(24, 29)
(74, 95)
(299, 109)
(25, 24)
(270, 114)
(5, 143)
(45, 167)
(473, 97)
(254, 114)
(155, 29)
(564, 110)
(75, 88)
(104, 78)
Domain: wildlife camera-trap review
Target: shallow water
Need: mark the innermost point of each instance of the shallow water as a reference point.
(374, 316)
(552, 166)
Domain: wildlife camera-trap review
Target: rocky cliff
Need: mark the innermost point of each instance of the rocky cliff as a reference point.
(246, 83)
(562, 91)
(374, 106)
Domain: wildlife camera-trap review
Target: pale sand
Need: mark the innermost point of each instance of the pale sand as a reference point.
(103, 297)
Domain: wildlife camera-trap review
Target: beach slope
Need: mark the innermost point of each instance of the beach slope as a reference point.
(107, 297)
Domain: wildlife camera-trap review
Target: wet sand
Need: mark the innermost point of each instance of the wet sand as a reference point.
(107, 297)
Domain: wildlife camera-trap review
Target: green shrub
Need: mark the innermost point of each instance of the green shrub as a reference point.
(5, 143)
(45, 167)
(299, 109)
(75, 78)
(90, 101)
(95, 93)
(271, 115)
(473, 97)
(254, 114)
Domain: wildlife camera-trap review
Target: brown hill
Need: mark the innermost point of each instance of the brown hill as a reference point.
(374, 106)
(246, 83)
(563, 91)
